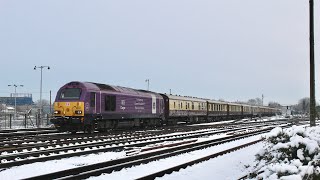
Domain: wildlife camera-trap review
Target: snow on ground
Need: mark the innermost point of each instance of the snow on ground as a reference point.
(291, 153)
(155, 166)
(228, 166)
(40, 168)
(67, 163)
(242, 120)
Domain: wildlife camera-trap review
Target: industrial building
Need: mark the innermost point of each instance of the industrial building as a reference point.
(21, 98)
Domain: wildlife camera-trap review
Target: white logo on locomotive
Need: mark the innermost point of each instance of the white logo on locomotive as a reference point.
(87, 106)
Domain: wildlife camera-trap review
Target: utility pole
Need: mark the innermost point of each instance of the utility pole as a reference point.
(15, 99)
(312, 78)
(35, 68)
(148, 81)
(262, 99)
(50, 103)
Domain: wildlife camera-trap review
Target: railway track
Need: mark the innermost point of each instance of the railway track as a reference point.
(196, 161)
(75, 147)
(126, 162)
(14, 143)
(20, 158)
(22, 132)
(113, 144)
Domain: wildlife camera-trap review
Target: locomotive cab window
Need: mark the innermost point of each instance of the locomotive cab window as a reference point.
(70, 93)
(110, 103)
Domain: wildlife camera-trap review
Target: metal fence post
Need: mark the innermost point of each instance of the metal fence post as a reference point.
(25, 120)
(5, 120)
(10, 121)
(37, 123)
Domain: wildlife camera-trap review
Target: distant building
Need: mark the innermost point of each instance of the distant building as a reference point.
(7, 109)
(22, 99)
(286, 110)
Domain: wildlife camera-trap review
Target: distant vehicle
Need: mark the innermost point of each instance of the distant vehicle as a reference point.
(86, 106)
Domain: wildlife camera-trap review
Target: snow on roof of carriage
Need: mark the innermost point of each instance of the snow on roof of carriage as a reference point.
(217, 101)
(10, 108)
(186, 98)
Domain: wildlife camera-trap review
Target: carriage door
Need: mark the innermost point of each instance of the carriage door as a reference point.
(93, 102)
(154, 104)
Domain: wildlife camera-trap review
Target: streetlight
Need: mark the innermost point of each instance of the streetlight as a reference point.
(312, 71)
(35, 68)
(148, 81)
(15, 98)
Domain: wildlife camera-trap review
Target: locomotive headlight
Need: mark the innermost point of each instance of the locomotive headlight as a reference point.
(78, 112)
(56, 112)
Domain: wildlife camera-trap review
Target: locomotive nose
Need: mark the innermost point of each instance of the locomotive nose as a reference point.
(69, 109)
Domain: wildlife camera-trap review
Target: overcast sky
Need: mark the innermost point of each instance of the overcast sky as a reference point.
(219, 49)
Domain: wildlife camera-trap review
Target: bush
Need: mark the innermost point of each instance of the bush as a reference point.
(291, 153)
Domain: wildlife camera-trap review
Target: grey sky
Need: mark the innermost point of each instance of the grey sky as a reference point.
(229, 49)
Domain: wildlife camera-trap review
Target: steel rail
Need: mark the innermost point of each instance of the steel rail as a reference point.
(191, 163)
(118, 164)
(17, 157)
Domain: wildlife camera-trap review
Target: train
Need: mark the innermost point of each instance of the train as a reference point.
(88, 106)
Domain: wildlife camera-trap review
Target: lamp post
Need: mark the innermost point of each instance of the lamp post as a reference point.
(312, 77)
(148, 81)
(35, 68)
(15, 98)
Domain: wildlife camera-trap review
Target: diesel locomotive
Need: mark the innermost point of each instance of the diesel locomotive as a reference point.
(87, 106)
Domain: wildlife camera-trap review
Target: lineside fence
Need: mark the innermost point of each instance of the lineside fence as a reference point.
(23, 120)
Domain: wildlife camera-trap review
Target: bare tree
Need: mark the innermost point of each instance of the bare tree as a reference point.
(252, 102)
(255, 102)
(302, 106)
(274, 105)
(44, 102)
(2, 107)
(259, 101)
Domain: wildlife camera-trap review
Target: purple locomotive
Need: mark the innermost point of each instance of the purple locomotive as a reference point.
(89, 106)
(86, 106)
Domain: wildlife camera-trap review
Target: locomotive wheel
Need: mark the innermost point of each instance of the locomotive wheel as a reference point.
(88, 129)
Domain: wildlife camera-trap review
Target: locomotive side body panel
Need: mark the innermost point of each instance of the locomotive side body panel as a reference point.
(81, 105)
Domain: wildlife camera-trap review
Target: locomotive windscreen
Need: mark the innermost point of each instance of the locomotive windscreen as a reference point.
(70, 93)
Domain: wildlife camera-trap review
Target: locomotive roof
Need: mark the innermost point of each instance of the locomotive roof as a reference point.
(105, 87)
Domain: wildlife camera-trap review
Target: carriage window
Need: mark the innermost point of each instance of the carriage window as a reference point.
(70, 93)
(192, 105)
(110, 103)
(174, 104)
(92, 99)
